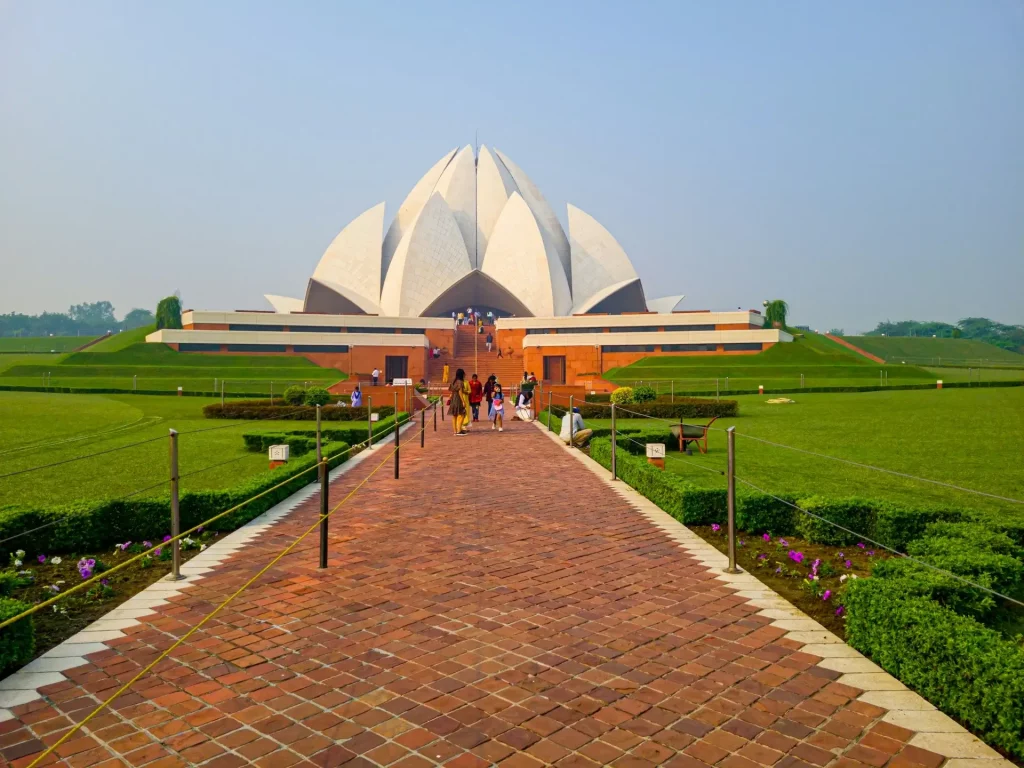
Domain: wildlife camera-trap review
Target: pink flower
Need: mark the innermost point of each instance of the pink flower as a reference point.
(783, 542)
(840, 611)
(827, 595)
(716, 527)
(860, 544)
(848, 564)
(156, 553)
(796, 557)
(41, 559)
(766, 537)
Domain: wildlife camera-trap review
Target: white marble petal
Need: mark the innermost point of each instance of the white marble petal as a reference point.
(665, 304)
(598, 261)
(352, 260)
(494, 184)
(430, 259)
(594, 299)
(283, 304)
(457, 186)
(542, 211)
(522, 258)
(410, 209)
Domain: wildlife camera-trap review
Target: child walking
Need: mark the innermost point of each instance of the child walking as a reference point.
(498, 407)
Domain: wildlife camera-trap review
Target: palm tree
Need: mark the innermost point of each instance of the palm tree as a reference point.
(775, 312)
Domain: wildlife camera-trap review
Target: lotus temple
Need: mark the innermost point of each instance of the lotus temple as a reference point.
(474, 233)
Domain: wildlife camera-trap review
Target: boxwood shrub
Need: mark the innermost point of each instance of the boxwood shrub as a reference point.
(262, 409)
(18, 641)
(682, 408)
(966, 669)
(261, 441)
(855, 514)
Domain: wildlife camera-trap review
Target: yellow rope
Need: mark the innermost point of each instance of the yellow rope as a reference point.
(209, 616)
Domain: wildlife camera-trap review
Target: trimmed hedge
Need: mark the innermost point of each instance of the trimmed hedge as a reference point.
(261, 441)
(261, 409)
(18, 641)
(84, 527)
(856, 514)
(965, 669)
(682, 408)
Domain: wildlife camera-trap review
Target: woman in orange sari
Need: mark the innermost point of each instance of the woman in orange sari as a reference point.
(458, 404)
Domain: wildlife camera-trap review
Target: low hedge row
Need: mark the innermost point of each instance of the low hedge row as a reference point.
(848, 388)
(17, 642)
(682, 408)
(90, 527)
(305, 439)
(262, 409)
(966, 669)
(921, 624)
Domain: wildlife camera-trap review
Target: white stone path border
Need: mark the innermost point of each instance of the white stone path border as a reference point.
(935, 731)
(23, 686)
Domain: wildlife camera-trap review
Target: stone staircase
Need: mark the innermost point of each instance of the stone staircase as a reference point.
(470, 353)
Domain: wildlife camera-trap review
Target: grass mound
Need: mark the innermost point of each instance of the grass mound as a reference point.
(39, 344)
(925, 351)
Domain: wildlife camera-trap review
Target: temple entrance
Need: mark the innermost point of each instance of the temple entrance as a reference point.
(396, 367)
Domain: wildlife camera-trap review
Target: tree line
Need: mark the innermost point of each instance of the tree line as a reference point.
(1009, 337)
(88, 319)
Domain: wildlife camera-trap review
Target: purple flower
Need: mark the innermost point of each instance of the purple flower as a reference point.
(860, 544)
(840, 611)
(168, 537)
(841, 555)
(742, 542)
(848, 564)
(147, 544)
(762, 556)
(85, 573)
(796, 557)
(827, 594)
(157, 552)
(41, 559)
(105, 582)
(783, 542)
(871, 552)
(124, 546)
(779, 569)
(766, 537)
(716, 527)
(199, 529)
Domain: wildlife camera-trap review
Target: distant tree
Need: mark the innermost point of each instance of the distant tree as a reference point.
(837, 332)
(98, 313)
(775, 312)
(137, 318)
(957, 333)
(168, 313)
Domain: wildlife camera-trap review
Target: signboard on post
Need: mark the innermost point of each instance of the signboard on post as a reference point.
(656, 454)
(402, 382)
(278, 455)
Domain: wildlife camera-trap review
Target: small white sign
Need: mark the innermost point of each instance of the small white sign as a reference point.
(655, 450)
(402, 382)
(279, 452)
(374, 417)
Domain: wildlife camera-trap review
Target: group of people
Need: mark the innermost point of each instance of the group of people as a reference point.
(467, 397)
(473, 317)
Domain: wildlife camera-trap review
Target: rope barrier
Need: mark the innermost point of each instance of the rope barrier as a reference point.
(202, 622)
(79, 458)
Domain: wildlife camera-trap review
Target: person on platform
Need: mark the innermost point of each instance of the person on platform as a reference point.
(375, 376)
(489, 341)
(357, 397)
(523, 410)
(445, 373)
(458, 403)
(497, 408)
(476, 396)
(574, 431)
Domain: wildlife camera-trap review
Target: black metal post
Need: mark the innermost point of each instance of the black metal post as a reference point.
(423, 428)
(396, 435)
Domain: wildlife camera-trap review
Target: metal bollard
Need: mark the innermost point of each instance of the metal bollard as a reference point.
(423, 427)
(613, 444)
(435, 415)
(731, 500)
(396, 435)
(324, 501)
(175, 512)
(572, 423)
(369, 421)
(222, 392)
(549, 410)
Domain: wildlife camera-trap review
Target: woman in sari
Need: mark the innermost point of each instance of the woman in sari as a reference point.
(458, 404)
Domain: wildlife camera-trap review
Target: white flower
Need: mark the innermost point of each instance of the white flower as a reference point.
(201, 548)
(19, 553)
(853, 575)
(843, 578)
(17, 563)
(188, 541)
(55, 561)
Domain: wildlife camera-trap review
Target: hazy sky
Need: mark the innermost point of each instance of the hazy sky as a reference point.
(862, 160)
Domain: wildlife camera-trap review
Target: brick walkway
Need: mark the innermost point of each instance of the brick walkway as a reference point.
(497, 605)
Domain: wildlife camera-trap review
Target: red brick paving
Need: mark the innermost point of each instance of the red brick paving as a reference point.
(496, 605)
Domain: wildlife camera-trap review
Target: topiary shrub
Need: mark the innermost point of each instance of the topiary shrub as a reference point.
(853, 514)
(294, 395)
(317, 396)
(17, 642)
(644, 394)
(623, 396)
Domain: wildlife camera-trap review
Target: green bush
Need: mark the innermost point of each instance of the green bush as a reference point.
(9, 581)
(682, 408)
(856, 515)
(760, 513)
(897, 525)
(261, 441)
(262, 409)
(294, 395)
(921, 581)
(85, 527)
(17, 641)
(622, 396)
(644, 393)
(965, 669)
(317, 396)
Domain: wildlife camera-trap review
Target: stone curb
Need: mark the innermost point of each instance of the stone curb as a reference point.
(23, 686)
(935, 731)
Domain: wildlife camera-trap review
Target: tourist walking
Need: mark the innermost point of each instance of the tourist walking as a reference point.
(444, 373)
(497, 410)
(357, 397)
(476, 395)
(489, 393)
(458, 403)
(376, 376)
(489, 342)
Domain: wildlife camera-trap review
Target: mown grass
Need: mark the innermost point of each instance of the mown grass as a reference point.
(968, 437)
(820, 362)
(42, 343)
(928, 351)
(42, 428)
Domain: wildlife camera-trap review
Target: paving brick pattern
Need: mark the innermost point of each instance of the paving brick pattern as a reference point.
(496, 605)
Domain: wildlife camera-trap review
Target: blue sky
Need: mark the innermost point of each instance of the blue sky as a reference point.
(862, 160)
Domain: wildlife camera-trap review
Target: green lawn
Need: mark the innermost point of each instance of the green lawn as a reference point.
(977, 374)
(971, 438)
(927, 351)
(820, 362)
(42, 343)
(42, 428)
(11, 359)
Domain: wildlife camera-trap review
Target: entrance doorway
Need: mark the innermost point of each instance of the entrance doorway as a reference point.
(396, 367)
(554, 369)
